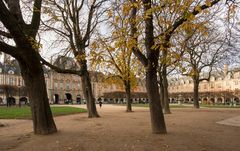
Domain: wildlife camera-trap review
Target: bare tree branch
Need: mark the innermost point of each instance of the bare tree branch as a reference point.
(133, 34)
(5, 34)
(36, 18)
(184, 18)
(60, 70)
(9, 49)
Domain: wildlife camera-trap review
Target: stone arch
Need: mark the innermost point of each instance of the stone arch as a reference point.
(172, 100)
(99, 100)
(11, 101)
(116, 100)
(204, 100)
(211, 101)
(121, 100)
(56, 99)
(228, 101)
(78, 99)
(236, 100)
(68, 98)
(219, 100)
(24, 100)
(1, 100)
(186, 100)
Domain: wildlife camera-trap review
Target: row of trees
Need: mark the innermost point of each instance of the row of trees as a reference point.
(162, 36)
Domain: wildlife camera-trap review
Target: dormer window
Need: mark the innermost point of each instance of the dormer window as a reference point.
(229, 76)
(212, 79)
(10, 72)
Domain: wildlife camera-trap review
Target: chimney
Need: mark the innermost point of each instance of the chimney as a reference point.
(225, 69)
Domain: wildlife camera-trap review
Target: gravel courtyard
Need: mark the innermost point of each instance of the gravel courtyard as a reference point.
(188, 130)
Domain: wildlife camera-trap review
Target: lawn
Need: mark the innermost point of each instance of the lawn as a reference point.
(147, 105)
(220, 106)
(189, 106)
(25, 113)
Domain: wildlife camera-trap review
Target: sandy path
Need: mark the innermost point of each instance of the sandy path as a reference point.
(117, 130)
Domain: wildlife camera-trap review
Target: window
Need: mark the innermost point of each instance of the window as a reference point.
(61, 85)
(2, 80)
(212, 79)
(68, 86)
(229, 76)
(11, 81)
(55, 85)
(10, 72)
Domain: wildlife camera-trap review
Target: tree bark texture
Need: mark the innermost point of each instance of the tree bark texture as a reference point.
(128, 96)
(161, 90)
(166, 108)
(33, 76)
(27, 56)
(87, 91)
(157, 118)
(196, 93)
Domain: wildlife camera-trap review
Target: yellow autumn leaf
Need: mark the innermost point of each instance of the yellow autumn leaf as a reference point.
(208, 3)
(117, 19)
(109, 13)
(198, 8)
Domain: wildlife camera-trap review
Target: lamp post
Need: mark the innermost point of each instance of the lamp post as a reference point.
(19, 86)
(180, 98)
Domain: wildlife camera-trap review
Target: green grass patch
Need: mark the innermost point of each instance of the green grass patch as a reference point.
(219, 106)
(186, 106)
(139, 105)
(147, 105)
(25, 113)
(180, 106)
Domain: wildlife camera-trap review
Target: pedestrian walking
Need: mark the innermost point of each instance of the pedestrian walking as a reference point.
(100, 104)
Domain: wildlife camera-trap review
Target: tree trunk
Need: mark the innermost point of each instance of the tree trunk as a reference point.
(128, 96)
(26, 53)
(166, 108)
(157, 118)
(87, 91)
(151, 64)
(161, 90)
(195, 93)
(7, 96)
(33, 76)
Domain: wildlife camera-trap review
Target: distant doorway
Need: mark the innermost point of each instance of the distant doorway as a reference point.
(219, 100)
(78, 99)
(237, 101)
(227, 101)
(69, 98)
(56, 99)
(211, 101)
(23, 100)
(11, 101)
